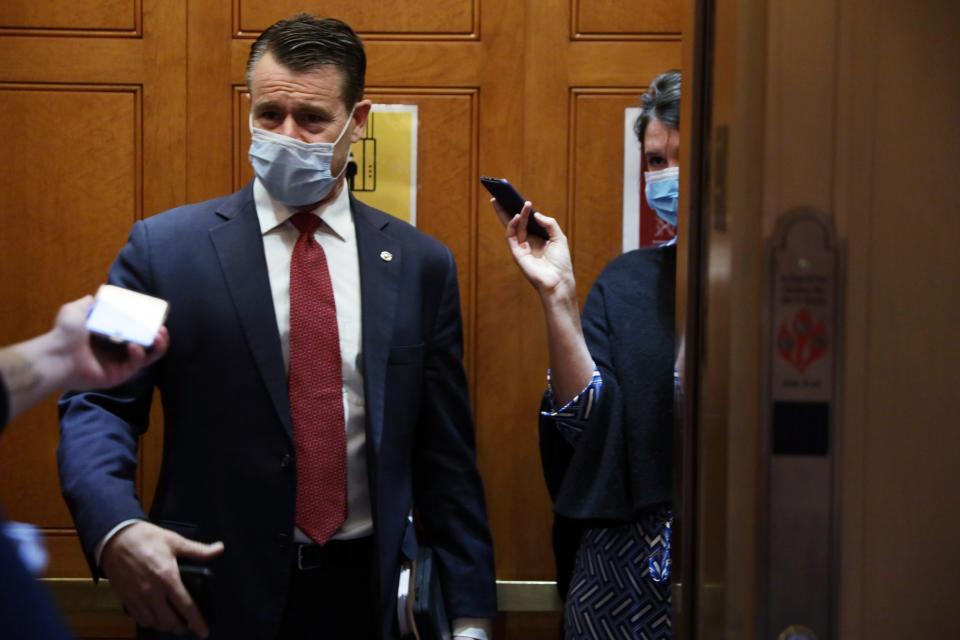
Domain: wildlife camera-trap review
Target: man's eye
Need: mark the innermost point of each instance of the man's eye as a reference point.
(269, 116)
(654, 161)
(313, 120)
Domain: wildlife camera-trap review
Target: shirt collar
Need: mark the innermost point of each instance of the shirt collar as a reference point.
(336, 213)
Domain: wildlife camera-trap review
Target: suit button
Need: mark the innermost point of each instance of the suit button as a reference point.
(283, 538)
(285, 461)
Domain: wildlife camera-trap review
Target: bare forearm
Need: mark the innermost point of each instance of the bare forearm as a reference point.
(33, 369)
(571, 367)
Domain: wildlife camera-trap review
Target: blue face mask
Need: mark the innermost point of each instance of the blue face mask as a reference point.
(663, 188)
(294, 172)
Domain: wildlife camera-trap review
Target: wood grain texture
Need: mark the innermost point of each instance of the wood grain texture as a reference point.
(400, 17)
(71, 15)
(70, 195)
(620, 64)
(71, 60)
(596, 164)
(95, 129)
(618, 19)
(510, 346)
(912, 289)
(528, 626)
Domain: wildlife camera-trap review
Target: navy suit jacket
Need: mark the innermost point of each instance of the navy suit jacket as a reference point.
(226, 471)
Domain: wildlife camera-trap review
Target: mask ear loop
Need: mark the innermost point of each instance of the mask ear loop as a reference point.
(346, 125)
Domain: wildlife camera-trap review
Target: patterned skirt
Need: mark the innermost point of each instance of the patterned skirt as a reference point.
(620, 587)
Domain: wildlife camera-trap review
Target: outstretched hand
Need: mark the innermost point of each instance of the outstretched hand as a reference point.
(89, 368)
(63, 358)
(545, 263)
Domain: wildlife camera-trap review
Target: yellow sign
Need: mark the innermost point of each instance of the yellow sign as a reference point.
(382, 171)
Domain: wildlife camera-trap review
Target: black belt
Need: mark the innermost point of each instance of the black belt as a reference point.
(334, 554)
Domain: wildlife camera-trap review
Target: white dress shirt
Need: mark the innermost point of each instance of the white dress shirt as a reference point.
(338, 237)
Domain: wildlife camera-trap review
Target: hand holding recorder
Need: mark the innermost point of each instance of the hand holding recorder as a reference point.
(125, 330)
(66, 357)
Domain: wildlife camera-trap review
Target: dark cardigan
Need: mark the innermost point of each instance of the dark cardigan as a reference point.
(621, 466)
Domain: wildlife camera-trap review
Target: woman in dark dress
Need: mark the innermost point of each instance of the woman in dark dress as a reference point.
(606, 418)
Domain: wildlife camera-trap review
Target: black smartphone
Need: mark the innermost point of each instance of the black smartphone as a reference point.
(198, 581)
(512, 202)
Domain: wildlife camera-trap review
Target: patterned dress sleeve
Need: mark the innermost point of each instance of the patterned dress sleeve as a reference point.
(571, 418)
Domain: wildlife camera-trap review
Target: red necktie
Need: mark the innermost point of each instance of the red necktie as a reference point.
(316, 389)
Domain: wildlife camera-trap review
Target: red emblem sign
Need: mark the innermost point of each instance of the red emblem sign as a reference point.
(803, 342)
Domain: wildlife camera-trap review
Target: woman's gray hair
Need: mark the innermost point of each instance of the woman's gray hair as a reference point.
(661, 102)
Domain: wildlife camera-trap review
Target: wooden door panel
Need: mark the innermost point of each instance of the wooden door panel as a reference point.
(69, 196)
(402, 63)
(446, 166)
(91, 114)
(596, 164)
(616, 19)
(642, 60)
(70, 15)
(401, 17)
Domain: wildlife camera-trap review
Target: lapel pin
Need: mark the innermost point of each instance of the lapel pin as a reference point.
(386, 256)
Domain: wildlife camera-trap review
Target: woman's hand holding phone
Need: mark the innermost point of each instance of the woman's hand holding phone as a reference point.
(545, 263)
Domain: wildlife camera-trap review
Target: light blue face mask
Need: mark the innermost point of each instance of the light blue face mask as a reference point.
(662, 190)
(294, 172)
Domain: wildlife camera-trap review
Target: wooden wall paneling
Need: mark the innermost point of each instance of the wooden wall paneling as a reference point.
(398, 19)
(69, 195)
(729, 386)
(911, 284)
(211, 127)
(509, 345)
(80, 60)
(396, 63)
(165, 105)
(242, 171)
(92, 95)
(94, 167)
(118, 18)
(614, 19)
(557, 146)
(621, 63)
(528, 626)
(857, 68)
(596, 189)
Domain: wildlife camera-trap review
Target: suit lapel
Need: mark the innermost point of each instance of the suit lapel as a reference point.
(381, 263)
(239, 247)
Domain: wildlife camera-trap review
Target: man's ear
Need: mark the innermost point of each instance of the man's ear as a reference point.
(360, 114)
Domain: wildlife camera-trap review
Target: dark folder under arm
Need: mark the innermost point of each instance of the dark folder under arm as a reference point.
(421, 607)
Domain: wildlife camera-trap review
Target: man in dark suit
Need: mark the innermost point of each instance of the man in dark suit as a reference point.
(313, 394)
